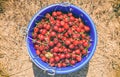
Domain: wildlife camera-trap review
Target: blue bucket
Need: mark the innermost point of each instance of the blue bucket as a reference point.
(77, 12)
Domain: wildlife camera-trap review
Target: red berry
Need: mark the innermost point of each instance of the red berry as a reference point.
(56, 49)
(58, 45)
(57, 58)
(78, 58)
(69, 14)
(36, 46)
(62, 56)
(84, 52)
(41, 37)
(60, 30)
(62, 23)
(73, 56)
(41, 48)
(43, 32)
(54, 14)
(48, 27)
(87, 29)
(85, 44)
(51, 43)
(59, 65)
(59, 12)
(68, 55)
(52, 34)
(52, 64)
(37, 52)
(71, 46)
(64, 64)
(52, 60)
(77, 51)
(78, 30)
(76, 42)
(66, 26)
(43, 58)
(72, 62)
(55, 28)
(72, 18)
(67, 42)
(36, 29)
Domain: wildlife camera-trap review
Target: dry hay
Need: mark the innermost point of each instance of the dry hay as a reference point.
(16, 15)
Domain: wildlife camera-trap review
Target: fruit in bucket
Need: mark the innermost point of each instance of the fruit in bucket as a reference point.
(61, 39)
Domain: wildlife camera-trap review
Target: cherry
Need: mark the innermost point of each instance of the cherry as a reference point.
(78, 58)
(36, 29)
(77, 51)
(53, 34)
(84, 52)
(59, 12)
(72, 62)
(54, 14)
(55, 28)
(43, 58)
(41, 37)
(67, 42)
(64, 64)
(37, 52)
(71, 46)
(87, 29)
(85, 44)
(51, 43)
(62, 56)
(52, 60)
(59, 65)
(68, 55)
(56, 49)
(57, 58)
(43, 32)
(48, 27)
(52, 64)
(62, 23)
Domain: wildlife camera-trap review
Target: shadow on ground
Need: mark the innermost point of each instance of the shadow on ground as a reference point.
(40, 73)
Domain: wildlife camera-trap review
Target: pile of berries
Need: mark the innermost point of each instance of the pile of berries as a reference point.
(61, 39)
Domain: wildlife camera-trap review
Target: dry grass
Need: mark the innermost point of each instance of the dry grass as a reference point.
(15, 15)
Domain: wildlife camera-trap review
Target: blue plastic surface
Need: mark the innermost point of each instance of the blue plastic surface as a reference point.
(78, 12)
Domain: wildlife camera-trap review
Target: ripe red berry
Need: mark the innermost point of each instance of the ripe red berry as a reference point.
(62, 23)
(67, 42)
(52, 60)
(71, 46)
(59, 65)
(72, 62)
(51, 43)
(57, 58)
(85, 44)
(37, 52)
(64, 64)
(62, 56)
(77, 51)
(41, 37)
(52, 64)
(56, 49)
(36, 29)
(53, 34)
(87, 29)
(48, 27)
(54, 14)
(68, 55)
(43, 32)
(59, 12)
(43, 58)
(55, 28)
(78, 58)
(84, 52)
